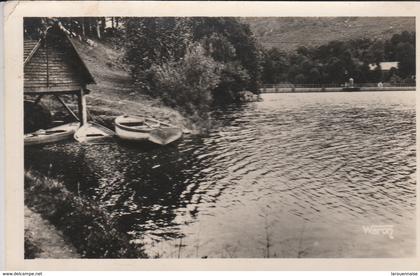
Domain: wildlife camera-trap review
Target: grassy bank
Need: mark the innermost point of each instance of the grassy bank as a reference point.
(114, 93)
(88, 227)
(43, 240)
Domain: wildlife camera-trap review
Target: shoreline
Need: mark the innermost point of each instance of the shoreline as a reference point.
(334, 89)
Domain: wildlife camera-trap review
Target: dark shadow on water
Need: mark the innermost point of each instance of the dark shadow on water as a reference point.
(140, 184)
(145, 145)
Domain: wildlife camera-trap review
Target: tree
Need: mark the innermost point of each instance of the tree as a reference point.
(402, 48)
(405, 54)
(239, 35)
(337, 61)
(154, 41)
(188, 82)
(336, 70)
(275, 66)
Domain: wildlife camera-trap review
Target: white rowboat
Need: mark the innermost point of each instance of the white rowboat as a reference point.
(137, 128)
(93, 133)
(51, 135)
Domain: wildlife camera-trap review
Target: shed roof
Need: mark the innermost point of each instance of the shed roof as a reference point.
(52, 64)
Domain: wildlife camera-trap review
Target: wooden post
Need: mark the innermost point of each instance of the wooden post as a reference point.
(83, 28)
(82, 107)
(98, 28)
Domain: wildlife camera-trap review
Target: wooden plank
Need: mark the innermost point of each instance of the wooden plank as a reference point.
(52, 68)
(35, 78)
(52, 90)
(55, 78)
(29, 46)
(67, 108)
(51, 65)
(53, 74)
(44, 71)
(45, 88)
(30, 76)
(28, 58)
(62, 82)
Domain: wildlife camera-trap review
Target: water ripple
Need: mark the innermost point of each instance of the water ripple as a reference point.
(308, 167)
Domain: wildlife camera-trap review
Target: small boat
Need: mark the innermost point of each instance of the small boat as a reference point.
(55, 134)
(93, 133)
(137, 128)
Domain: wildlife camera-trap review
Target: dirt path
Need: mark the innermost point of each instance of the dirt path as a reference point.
(47, 238)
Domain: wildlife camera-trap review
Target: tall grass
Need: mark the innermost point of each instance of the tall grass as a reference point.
(91, 231)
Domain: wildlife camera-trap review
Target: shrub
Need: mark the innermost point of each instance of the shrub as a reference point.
(162, 59)
(234, 78)
(188, 82)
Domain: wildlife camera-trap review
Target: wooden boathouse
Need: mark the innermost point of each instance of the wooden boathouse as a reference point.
(52, 66)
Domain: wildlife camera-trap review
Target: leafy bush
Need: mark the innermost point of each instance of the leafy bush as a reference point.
(231, 42)
(188, 82)
(234, 78)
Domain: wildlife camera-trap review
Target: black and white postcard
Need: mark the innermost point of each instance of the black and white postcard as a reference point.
(211, 135)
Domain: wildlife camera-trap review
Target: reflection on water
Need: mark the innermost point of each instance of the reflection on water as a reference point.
(297, 175)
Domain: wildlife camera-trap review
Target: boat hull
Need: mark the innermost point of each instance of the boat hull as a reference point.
(131, 135)
(57, 134)
(165, 136)
(137, 129)
(93, 133)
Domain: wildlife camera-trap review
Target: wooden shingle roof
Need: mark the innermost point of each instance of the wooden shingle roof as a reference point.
(53, 64)
(28, 47)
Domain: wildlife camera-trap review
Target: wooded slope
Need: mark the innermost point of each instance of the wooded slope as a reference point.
(288, 33)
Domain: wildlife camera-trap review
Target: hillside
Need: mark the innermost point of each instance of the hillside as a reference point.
(113, 94)
(288, 33)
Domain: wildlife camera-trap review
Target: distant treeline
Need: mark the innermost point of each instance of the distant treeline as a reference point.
(96, 27)
(338, 61)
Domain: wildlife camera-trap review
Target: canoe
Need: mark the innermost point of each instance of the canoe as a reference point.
(51, 135)
(93, 133)
(137, 128)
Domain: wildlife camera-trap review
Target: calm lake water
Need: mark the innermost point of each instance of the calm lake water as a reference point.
(297, 175)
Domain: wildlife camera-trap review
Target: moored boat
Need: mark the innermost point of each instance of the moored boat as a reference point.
(93, 133)
(137, 128)
(51, 135)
